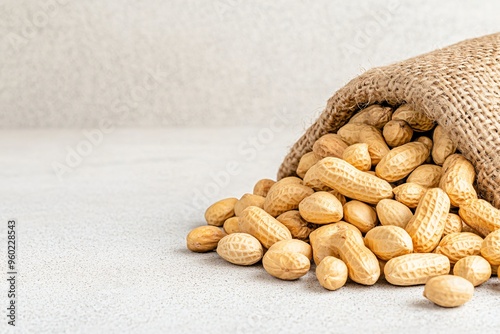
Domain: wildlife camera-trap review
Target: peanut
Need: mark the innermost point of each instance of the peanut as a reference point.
(480, 215)
(360, 215)
(329, 145)
(473, 268)
(231, 225)
(306, 162)
(490, 248)
(332, 273)
(204, 238)
(416, 119)
(409, 194)
(448, 290)
(374, 115)
(427, 225)
(217, 213)
(311, 180)
(428, 176)
(294, 246)
(427, 142)
(286, 265)
(401, 161)
(391, 212)
(351, 182)
(443, 146)
(299, 228)
(321, 208)
(388, 242)
(397, 133)
(362, 133)
(240, 248)
(287, 180)
(456, 246)
(452, 224)
(362, 264)
(415, 268)
(264, 227)
(358, 156)
(457, 180)
(320, 239)
(262, 187)
(248, 200)
(285, 197)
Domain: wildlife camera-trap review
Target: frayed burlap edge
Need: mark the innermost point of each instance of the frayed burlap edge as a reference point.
(457, 86)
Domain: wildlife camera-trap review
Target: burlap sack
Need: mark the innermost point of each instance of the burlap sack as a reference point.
(458, 86)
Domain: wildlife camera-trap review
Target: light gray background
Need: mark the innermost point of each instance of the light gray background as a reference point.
(70, 63)
(104, 211)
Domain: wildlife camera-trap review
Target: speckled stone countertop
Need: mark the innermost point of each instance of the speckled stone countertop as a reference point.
(101, 242)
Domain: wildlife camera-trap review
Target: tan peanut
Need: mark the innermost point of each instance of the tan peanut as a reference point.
(285, 197)
(362, 264)
(490, 248)
(452, 224)
(294, 246)
(415, 268)
(397, 133)
(427, 142)
(480, 215)
(217, 213)
(204, 238)
(374, 115)
(329, 145)
(427, 225)
(443, 146)
(388, 242)
(457, 180)
(358, 156)
(286, 265)
(287, 180)
(231, 225)
(299, 228)
(391, 212)
(416, 119)
(306, 162)
(473, 268)
(427, 176)
(240, 248)
(456, 246)
(262, 187)
(448, 290)
(321, 208)
(401, 161)
(311, 180)
(332, 273)
(263, 226)
(320, 239)
(362, 133)
(409, 194)
(351, 182)
(360, 215)
(248, 200)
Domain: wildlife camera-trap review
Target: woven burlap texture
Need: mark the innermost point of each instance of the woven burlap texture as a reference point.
(457, 86)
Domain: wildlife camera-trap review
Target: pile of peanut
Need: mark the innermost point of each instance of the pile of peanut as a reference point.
(378, 199)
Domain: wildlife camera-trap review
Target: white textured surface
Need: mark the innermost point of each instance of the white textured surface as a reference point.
(103, 250)
(72, 63)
